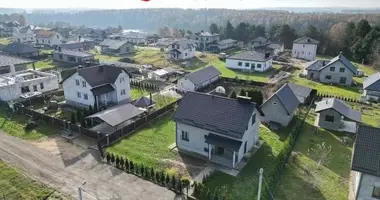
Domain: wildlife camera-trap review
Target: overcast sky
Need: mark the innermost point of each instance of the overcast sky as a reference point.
(232, 4)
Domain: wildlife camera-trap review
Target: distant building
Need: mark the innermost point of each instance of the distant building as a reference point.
(134, 37)
(72, 56)
(6, 61)
(116, 47)
(198, 79)
(223, 45)
(162, 74)
(181, 50)
(24, 35)
(305, 48)
(263, 44)
(371, 87)
(250, 61)
(48, 38)
(19, 49)
(204, 39)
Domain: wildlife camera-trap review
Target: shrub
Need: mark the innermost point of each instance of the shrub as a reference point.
(173, 182)
(162, 178)
(108, 157)
(167, 180)
(152, 174)
(117, 161)
(121, 163)
(157, 177)
(233, 94)
(112, 158)
(131, 167)
(142, 171)
(243, 93)
(73, 120)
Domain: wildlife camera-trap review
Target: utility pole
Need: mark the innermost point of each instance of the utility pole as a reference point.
(80, 190)
(260, 182)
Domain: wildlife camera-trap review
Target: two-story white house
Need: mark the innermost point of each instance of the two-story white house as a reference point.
(100, 86)
(198, 79)
(181, 50)
(24, 35)
(203, 40)
(250, 61)
(48, 38)
(305, 48)
(220, 129)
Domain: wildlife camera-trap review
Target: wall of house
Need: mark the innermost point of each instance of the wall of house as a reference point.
(70, 89)
(185, 53)
(27, 37)
(10, 92)
(206, 83)
(126, 48)
(185, 85)
(313, 75)
(304, 51)
(126, 86)
(251, 136)
(196, 141)
(66, 58)
(335, 75)
(252, 65)
(366, 187)
(275, 112)
(372, 95)
(6, 69)
(227, 46)
(330, 125)
(50, 41)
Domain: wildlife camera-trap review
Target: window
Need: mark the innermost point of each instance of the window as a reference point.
(35, 88)
(57, 36)
(31, 38)
(79, 95)
(43, 41)
(332, 69)
(185, 136)
(205, 149)
(247, 64)
(258, 65)
(85, 96)
(122, 80)
(342, 80)
(342, 69)
(253, 119)
(240, 63)
(196, 38)
(76, 82)
(376, 192)
(42, 86)
(122, 92)
(303, 45)
(329, 118)
(60, 56)
(84, 84)
(274, 103)
(49, 41)
(185, 54)
(328, 77)
(25, 89)
(252, 65)
(173, 46)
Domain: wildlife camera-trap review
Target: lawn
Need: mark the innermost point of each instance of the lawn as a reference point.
(5, 41)
(302, 178)
(13, 124)
(137, 93)
(41, 64)
(100, 56)
(162, 101)
(370, 114)
(15, 185)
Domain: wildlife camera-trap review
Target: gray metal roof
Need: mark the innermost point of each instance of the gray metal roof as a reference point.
(287, 98)
(223, 115)
(70, 46)
(118, 114)
(144, 102)
(19, 48)
(366, 155)
(306, 40)
(113, 44)
(223, 142)
(200, 76)
(340, 107)
(206, 34)
(102, 89)
(261, 39)
(250, 56)
(299, 90)
(6, 60)
(185, 44)
(68, 52)
(318, 65)
(372, 82)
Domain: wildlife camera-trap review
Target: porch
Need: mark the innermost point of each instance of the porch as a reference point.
(174, 54)
(105, 96)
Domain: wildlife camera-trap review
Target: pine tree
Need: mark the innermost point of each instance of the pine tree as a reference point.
(108, 157)
(127, 165)
(167, 180)
(233, 94)
(117, 161)
(142, 171)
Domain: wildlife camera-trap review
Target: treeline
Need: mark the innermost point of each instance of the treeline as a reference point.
(13, 17)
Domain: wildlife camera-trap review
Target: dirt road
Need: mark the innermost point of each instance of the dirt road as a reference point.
(68, 168)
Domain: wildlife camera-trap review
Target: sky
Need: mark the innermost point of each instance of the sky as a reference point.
(231, 4)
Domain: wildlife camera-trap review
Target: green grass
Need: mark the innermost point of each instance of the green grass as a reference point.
(41, 64)
(15, 185)
(162, 101)
(370, 114)
(303, 179)
(5, 41)
(137, 93)
(13, 125)
(98, 55)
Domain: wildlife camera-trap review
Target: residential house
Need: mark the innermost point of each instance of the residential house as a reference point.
(220, 129)
(338, 70)
(48, 38)
(222, 45)
(371, 87)
(6, 61)
(65, 32)
(87, 43)
(116, 47)
(163, 74)
(302, 93)
(72, 56)
(181, 50)
(250, 61)
(198, 79)
(365, 164)
(305, 48)
(337, 116)
(263, 44)
(144, 102)
(280, 108)
(204, 39)
(27, 83)
(19, 49)
(24, 35)
(134, 37)
(100, 85)
(72, 46)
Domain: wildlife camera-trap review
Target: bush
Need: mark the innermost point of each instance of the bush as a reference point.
(173, 182)
(153, 174)
(108, 157)
(126, 165)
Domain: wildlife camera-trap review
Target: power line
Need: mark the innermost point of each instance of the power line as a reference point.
(268, 188)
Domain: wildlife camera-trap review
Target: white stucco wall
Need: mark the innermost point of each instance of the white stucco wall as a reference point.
(185, 53)
(366, 186)
(70, 89)
(185, 85)
(252, 65)
(27, 37)
(125, 85)
(304, 51)
(50, 41)
(250, 136)
(335, 75)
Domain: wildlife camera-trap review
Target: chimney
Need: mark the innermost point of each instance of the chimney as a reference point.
(243, 99)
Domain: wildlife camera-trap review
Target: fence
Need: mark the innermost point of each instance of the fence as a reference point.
(350, 99)
(245, 82)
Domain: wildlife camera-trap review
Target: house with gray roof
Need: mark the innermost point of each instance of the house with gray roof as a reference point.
(280, 108)
(338, 70)
(365, 163)
(222, 45)
(217, 128)
(334, 114)
(250, 61)
(116, 47)
(371, 87)
(19, 49)
(198, 79)
(72, 56)
(6, 61)
(263, 44)
(204, 39)
(302, 93)
(305, 48)
(181, 50)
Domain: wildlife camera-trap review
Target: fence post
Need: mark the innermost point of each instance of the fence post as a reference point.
(108, 140)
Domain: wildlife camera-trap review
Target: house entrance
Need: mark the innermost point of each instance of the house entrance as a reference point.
(220, 151)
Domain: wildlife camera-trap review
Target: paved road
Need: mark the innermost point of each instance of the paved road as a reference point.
(70, 167)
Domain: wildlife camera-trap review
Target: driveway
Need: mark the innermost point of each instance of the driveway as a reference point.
(65, 166)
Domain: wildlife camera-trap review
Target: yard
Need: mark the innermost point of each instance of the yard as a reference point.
(99, 56)
(5, 41)
(45, 63)
(137, 93)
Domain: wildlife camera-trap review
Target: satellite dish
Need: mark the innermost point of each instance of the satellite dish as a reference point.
(220, 90)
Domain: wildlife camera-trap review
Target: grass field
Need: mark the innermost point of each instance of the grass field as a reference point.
(99, 56)
(162, 101)
(5, 41)
(41, 64)
(14, 185)
(137, 93)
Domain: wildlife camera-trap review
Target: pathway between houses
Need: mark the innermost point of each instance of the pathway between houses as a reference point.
(69, 166)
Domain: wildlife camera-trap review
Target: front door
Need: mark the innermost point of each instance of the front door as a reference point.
(220, 151)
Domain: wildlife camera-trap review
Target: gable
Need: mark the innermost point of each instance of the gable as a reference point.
(337, 64)
(273, 106)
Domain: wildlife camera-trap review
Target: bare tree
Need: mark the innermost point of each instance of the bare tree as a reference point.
(322, 152)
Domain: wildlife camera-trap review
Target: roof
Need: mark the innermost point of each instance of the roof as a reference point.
(144, 102)
(274, 46)
(46, 34)
(318, 65)
(118, 114)
(102, 89)
(287, 98)
(260, 39)
(306, 40)
(203, 75)
(223, 142)
(300, 91)
(69, 46)
(250, 55)
(73, 53)
(208, 34)
(340, 107)
(366, 155)
(225, 116)
(24, 29)
(226, 41)
(113, 44)
(19, 48)
(185, 44)
(6, 60)
(372, 82)
(96, 75)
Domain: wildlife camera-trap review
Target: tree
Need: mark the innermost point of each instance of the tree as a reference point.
(260, 31)
(214, 28)
(256, 96)
(349, 35)
(229, 31)
(131, 166)
(152, 174)
(312, 32)
(336, 38)
(233, 94)
(90, 110)
(158, 177)
(322, 152)
(108, 157)
(242, 32)
(286, 35)
(167, 180)
(142, 170)
(362, 28)
(162, 178)
(73, 121)
(126, 164)
(117, 161)
(121, 163)
(112, 158)
(273, 30)
(173, 182)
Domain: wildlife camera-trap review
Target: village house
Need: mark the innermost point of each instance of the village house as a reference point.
(24, 35)
(263, 44)
(72, 46)
(250, 61)
(202, 127)
(116, 47)
(305, 48)
(181, 50)
(25, 84)
(6, 61)
(338, 70)
(198, 79)
(371, 87)
(19, 49)
(48, 38)
(100, 85)
(365, 164)
(333, 114)
(134, 37)
(71, 56)
(280, 108)
(204, 39)
(222, 45)
(302, 93)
